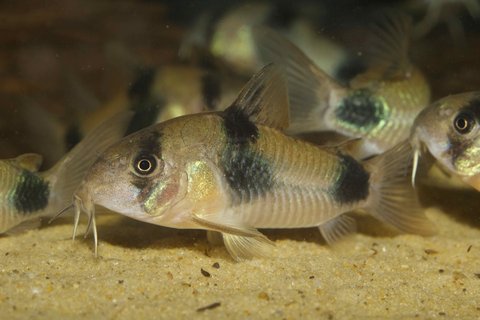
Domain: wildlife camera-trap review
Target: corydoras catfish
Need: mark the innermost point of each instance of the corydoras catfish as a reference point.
(226, 38)
(450, 129)
(158, 94)
(27, 194)
(235, 171)
(379, 105)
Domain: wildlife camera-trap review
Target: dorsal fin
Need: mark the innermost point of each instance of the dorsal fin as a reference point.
(310, 89)
(388, 48)
(264, 99)
(29, 161)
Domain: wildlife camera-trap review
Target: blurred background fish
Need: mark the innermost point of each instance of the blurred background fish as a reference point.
(224, 36)
(41, 48)
(27, 194)
(162, 93)
(379, 105)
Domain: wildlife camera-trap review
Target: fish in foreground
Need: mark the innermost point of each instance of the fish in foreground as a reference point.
(27, 194)
(450, 130)
(379, 105)
(235, 171)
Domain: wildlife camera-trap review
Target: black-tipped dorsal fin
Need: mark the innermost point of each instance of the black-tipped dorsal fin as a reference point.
(264, 99)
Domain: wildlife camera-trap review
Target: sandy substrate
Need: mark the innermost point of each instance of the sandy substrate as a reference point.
(145, 271)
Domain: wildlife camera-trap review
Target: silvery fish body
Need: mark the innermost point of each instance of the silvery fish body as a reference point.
(235, 171)
(27, 194)
(450, 129)
(378, 105)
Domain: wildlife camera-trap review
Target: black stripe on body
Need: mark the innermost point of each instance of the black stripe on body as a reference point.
(239, 128)
(354, 181)
(474, 107)
(247, 172)
(72, 137)
(150, 144)
(349, 68)
(31, 193)
(282, 15)
(146, 108)
(211, 90)
(145, 115)
(141, 87)
(457, 146)
(361, 109)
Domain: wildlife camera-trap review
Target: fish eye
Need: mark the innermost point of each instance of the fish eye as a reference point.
(464, 123)
(145, 164)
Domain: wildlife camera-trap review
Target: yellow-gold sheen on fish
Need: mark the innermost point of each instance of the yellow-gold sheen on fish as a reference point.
(450, 129)
(27, 194)
(234, 171)
(379, 105)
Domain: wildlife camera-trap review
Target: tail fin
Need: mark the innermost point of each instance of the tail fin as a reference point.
(311, 91)
(393, 199)
(67, 174)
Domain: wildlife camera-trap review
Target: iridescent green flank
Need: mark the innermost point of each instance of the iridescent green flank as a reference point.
(362, 112)
(30, 194)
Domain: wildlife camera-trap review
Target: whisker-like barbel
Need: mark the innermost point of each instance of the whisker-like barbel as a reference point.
(235, 171)
(60, 213)
(416, 155)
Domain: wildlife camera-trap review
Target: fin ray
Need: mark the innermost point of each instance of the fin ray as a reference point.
(309, 88)
(394, 200)
(338, 228)
(389, 45)
(67, 174)
(225, 226)
(25, 226)
(264, 99)
(244, 248)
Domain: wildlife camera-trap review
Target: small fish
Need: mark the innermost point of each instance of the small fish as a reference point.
(27, 194)
(450, 129)
(379, 105)
(158, 94)
(234, 171)
(226, 38)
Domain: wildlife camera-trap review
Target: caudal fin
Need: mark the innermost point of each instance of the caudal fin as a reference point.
(393, 199)
(66, 175)
(310, 90)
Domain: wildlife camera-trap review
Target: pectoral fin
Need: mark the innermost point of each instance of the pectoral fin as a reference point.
(223, 225)
(242, 242)
(244, 248)
(34, 223)
(337, 228)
